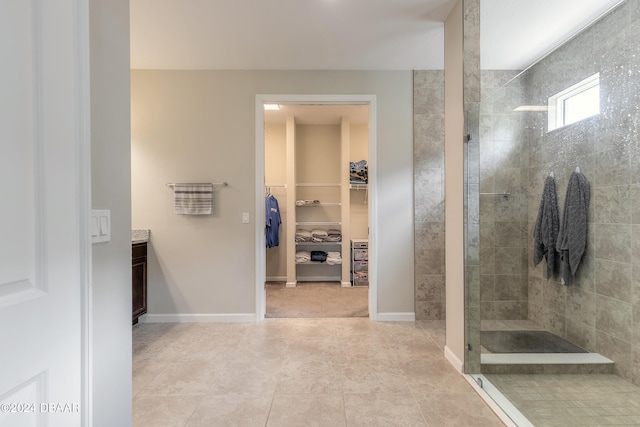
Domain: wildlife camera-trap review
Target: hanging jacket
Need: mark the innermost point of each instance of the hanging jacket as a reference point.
(273, 221)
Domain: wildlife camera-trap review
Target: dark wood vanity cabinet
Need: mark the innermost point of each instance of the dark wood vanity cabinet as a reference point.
(139, 279)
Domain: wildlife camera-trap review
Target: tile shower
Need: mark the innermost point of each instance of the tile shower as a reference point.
(513, 152)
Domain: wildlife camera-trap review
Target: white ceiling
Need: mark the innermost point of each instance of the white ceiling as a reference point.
(319, 114)
(516, 33)
(342, 34)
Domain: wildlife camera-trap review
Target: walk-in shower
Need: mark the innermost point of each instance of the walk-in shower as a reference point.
(537, 342)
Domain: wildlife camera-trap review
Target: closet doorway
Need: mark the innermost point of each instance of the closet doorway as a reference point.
(315, 161)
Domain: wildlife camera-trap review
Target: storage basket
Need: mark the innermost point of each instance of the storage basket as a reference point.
(360, 254)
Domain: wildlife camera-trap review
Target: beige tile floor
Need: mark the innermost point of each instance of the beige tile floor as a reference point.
(299, 372)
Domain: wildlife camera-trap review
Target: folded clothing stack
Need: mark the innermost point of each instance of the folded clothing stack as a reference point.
(303, 235)
(358, 172)
(334, 258)
(303, 256)
(333, 235)
(331, 258)
(318, 235)
(307, 202)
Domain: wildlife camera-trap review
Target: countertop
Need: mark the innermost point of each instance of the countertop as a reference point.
(140, 236)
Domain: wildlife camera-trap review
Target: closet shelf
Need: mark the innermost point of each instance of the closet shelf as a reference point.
(316, 263)
(318, 243)
(319, 204)
(358, 186)
(318, 183)
(318, 223)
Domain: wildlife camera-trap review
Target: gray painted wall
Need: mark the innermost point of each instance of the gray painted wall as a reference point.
(111, 189)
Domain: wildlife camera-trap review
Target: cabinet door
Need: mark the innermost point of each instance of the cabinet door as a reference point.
(139, 287)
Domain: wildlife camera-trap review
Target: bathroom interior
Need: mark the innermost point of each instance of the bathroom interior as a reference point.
(591, 373)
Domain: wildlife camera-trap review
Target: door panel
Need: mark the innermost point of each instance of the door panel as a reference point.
(17, 174)
(43, 245)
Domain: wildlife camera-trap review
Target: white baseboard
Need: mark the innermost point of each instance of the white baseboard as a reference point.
(247, 317)
(396, 317)
(318, 278)
(346, 284)
(194, 318)
(277, 279)
(291, 284)
(453, 359)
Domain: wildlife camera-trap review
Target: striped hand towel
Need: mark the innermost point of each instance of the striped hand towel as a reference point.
(193, 199)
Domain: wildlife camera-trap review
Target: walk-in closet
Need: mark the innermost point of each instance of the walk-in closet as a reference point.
(316, 201)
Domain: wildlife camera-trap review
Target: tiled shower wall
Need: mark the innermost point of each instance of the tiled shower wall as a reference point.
(428, 154)
(503, 166)
(601, 311)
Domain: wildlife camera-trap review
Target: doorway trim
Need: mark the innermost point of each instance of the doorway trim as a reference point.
(260, 264)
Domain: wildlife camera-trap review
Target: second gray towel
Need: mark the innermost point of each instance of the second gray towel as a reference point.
(572, 239)
(545, 233)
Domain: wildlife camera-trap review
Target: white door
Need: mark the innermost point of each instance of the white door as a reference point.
(44, 196)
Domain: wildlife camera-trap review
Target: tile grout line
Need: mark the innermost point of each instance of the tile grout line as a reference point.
(194, 411)
(273, 397)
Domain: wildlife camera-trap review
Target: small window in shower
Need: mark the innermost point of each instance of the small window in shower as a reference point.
(576, 103)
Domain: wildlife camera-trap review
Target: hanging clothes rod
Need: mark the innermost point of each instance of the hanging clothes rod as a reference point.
(505, 194)
(276, 185)
(173, 184)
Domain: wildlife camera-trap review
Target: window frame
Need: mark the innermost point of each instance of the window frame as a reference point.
(557, 102)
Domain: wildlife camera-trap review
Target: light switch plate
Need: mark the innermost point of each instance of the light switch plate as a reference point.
(100, 226)
(245, 217)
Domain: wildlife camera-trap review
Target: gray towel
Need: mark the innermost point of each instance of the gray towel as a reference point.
(545, 233)
(572, 239)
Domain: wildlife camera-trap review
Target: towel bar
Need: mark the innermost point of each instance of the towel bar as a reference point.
(224, 184)
(505, 194)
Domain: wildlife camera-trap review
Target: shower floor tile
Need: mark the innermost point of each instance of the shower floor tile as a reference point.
(571, 400)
